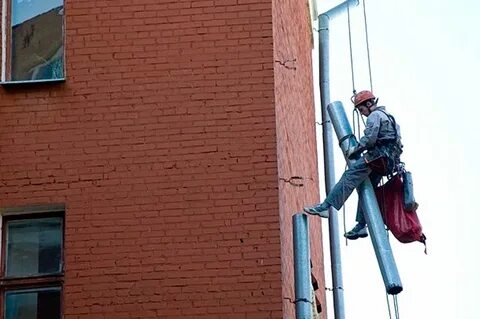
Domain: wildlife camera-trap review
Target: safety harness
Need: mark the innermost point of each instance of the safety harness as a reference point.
(384, 157)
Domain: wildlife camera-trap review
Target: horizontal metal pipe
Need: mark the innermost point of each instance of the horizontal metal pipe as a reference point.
(301, 265)
(371, 211)
(340, 8)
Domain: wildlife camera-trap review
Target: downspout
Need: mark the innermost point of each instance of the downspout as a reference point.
(329, 168)
(301, 266)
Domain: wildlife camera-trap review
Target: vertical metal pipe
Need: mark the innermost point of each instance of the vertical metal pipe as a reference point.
(301, 265)
(329, 167)
(324, 77)
(371, 211)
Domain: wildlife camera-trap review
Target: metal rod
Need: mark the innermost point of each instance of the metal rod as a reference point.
(328, 159)
(301, 265)
(371, 211)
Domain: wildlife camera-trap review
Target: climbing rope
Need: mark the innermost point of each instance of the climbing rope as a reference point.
(388, 305)
(351, 49)
(343, 208)
(355, 115)
(395, 307)
(395, 304)
(356, 133)
(368, 46)
(395, 300)
(356, 126)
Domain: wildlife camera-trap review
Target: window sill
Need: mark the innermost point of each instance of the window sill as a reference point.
(13, 83)
(48, 279)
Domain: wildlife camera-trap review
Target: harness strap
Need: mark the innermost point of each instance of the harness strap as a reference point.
(386, 142)
(346, 137)
(387, 163)
(391, 119)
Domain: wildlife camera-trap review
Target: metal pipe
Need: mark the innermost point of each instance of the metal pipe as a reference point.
(329, 169)
(371, 211)
(301, 265)
(340, 8)
(328, 159)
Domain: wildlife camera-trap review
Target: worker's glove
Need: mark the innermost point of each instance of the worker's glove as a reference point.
(353, 153)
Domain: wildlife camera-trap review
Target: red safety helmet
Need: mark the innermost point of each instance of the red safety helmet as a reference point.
(362, 96)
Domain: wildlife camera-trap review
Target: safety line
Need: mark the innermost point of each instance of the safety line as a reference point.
(351, 50)
(395, 304)
(368, 46)
(343, 208)
(388, 305)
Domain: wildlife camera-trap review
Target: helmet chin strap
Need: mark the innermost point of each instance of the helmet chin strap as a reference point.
(374, 104)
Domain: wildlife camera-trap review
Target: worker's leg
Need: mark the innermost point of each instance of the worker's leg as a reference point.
(350, 180)
(360, 229)
(375, 179)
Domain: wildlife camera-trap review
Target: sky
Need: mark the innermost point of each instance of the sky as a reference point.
(25, 9)
(425, 59)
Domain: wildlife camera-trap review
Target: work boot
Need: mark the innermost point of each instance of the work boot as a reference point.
(318, 210)
(359, 231)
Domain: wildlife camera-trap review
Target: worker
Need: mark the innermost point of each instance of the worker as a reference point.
(377, 154)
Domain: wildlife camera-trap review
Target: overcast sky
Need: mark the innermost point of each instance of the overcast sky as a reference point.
(425, 59)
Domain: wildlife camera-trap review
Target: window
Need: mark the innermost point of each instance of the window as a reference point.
(32, 265)
(33, 40)
(33, 303)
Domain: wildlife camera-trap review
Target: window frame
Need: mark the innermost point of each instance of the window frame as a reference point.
(52, 280)
(6, 48)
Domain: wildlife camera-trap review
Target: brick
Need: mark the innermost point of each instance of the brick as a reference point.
(164, 144)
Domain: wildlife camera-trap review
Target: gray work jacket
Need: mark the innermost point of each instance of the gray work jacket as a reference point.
(379, 130)
(380, 138)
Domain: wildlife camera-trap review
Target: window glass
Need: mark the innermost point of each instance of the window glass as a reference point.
(34, 246)
(41, 303)
(37, 51)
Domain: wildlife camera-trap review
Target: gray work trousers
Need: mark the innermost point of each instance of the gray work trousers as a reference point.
(350, 180)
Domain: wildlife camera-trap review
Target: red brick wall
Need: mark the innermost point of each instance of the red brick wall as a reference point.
(297, 150)
(162, 142)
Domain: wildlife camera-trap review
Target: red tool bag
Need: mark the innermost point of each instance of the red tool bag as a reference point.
(403, 224)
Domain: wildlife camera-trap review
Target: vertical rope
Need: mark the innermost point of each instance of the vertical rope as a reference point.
(343, 196)
(368, 47)
(343, 209)
(388, 305)
(395, 303)
(351, 49)
(356, 132)
(346, 166)
(395, 300)
(356, 128)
